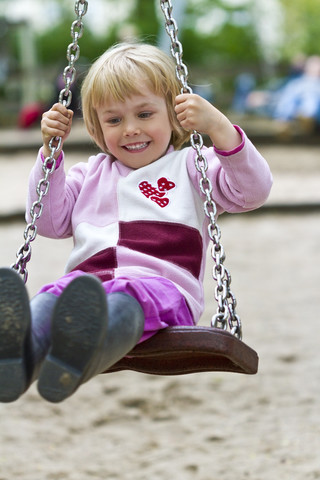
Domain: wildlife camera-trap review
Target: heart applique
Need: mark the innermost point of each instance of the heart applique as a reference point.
(162, 202)
(164, 185)
(157, 194)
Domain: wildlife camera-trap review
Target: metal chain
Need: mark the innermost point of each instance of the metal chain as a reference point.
(226, 312)
(23, 255)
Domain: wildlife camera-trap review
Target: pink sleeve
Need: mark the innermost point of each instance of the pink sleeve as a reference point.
(235, 150)
(55, 220)
(241, 179)
(58, 161)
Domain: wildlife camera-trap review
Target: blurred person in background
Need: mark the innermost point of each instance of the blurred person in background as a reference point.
(298, 105)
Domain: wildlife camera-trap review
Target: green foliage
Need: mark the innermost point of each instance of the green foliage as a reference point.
(301, 27)
(145, 20)
(231, 42)
(52, 44)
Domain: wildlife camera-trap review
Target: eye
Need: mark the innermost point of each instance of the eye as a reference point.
(113, 120)
(145, 114)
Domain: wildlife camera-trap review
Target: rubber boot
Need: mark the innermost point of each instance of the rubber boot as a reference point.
(90, 332)
(23, 342)
(15, 323)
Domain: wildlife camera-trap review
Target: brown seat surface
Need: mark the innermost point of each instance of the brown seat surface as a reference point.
(182, 350)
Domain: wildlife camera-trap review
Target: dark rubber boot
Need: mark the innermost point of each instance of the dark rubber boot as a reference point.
(24, 334)
(15, 322)
(86, 339)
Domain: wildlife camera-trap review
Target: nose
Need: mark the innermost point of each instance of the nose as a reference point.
(131, 128)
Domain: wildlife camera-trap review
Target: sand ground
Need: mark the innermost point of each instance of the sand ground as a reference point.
(219, 426)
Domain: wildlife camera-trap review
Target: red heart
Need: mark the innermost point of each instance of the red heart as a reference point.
(162, 202)
(147, 189)
(164, 184)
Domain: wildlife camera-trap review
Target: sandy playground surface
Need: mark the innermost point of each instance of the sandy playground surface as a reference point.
(212, 426)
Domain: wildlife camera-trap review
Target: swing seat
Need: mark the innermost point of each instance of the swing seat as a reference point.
(182, 350)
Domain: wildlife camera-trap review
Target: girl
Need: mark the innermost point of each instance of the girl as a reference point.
(135, 212)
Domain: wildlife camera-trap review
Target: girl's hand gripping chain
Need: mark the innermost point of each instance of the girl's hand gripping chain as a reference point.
(196, 113)
(55, 123)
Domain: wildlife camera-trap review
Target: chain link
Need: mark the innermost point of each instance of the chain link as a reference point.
(226, 316)
(73, 52)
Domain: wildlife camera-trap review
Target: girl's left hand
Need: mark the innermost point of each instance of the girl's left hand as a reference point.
(195, 113)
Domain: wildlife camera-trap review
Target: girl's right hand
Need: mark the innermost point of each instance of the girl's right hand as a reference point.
(55, 123)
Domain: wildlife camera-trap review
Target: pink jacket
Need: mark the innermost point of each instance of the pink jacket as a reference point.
(149, 221)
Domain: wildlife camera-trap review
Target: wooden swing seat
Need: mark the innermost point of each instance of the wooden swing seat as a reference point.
(182, 350)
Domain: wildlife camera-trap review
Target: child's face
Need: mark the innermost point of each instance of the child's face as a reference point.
(137, 131)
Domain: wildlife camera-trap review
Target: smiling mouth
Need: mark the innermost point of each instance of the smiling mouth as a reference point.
(136, 147)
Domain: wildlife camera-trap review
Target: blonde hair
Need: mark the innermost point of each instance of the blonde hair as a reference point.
(118, 73)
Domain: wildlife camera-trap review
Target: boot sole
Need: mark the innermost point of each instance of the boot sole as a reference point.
(14, 331)
(79, 323)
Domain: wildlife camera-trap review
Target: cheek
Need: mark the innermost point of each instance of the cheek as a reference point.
(109, 138)
(109, 145)
(162, 135)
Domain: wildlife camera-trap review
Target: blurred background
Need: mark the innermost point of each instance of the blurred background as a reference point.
(242, 54)
(258, 61)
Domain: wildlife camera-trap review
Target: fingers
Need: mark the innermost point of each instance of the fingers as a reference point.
(195, 113)
(182, 102)
(186, 110)
(183, 97)
(56, 122)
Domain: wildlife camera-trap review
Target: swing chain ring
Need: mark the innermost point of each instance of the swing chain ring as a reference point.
(226, 316)
(73, 52)
(23, 255)
(176, 46)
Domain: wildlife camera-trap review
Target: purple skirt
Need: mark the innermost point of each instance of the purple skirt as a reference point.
(162, 303)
